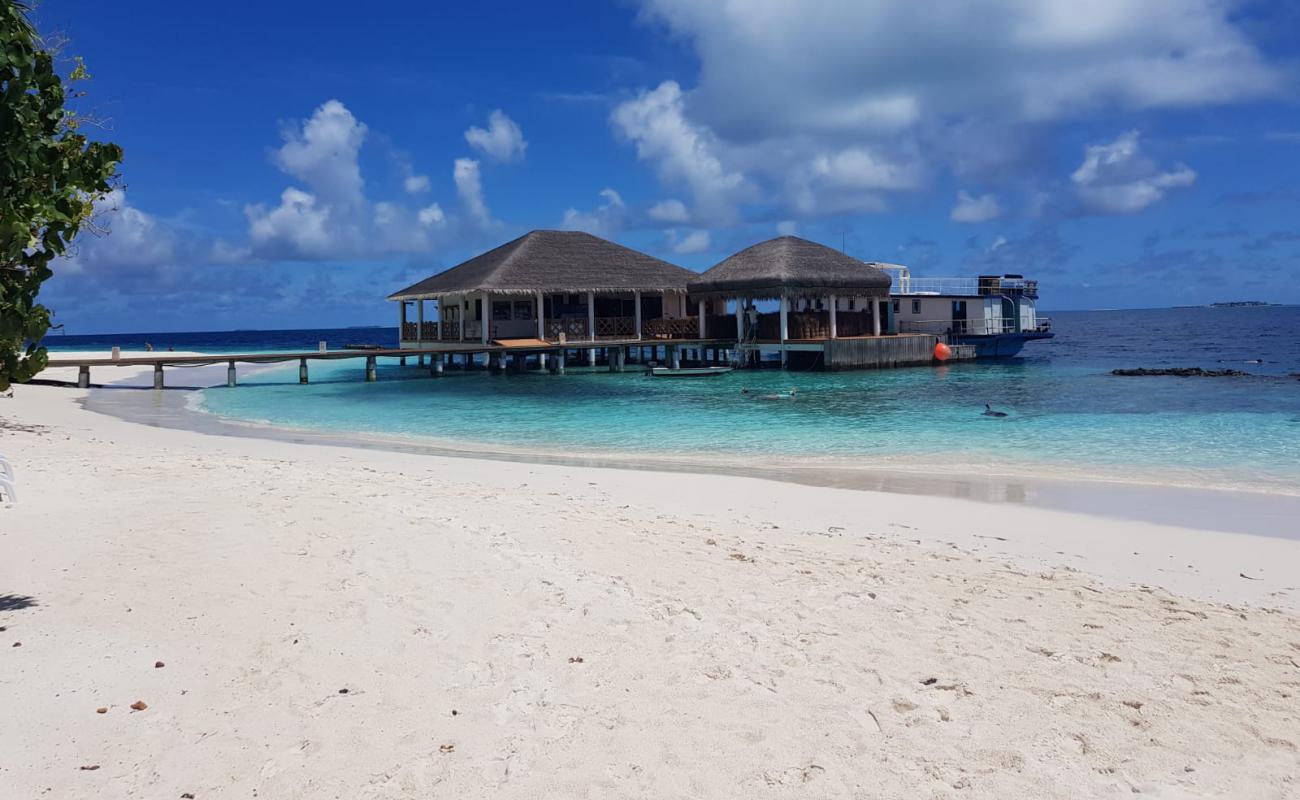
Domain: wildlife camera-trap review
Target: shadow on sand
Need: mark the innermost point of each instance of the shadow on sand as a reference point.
(16, 602)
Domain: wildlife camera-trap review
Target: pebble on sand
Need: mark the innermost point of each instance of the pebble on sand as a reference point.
(102, 710)
(139, 705)
(158, 665)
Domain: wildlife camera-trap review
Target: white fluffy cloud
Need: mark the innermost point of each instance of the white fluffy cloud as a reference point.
(833, 106)
(605, 220)
(682, 151)
(502, 139)
(329, 217)
(975, 209)
(671, 210)
(469, 187)
(1115, 178)
(128, 237)
(323, 154)
(849, 65)
(693, 242)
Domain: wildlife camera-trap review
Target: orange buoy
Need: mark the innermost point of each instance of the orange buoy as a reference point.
(941, 351)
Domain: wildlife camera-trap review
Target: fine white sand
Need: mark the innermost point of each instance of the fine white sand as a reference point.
(521, 630)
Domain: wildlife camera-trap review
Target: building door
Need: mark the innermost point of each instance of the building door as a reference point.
(958, 316)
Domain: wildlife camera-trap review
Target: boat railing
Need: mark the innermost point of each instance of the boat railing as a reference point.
(975, 327)
(983, 286)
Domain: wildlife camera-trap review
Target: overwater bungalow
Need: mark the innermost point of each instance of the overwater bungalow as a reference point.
(832, 310)
(552, 286)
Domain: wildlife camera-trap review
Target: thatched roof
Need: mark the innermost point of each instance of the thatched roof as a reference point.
(790, 266)
(553, 261)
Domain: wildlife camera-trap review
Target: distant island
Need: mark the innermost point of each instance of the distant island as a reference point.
(1241, 304)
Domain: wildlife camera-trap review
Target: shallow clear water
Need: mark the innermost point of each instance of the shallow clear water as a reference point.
(1066, 412)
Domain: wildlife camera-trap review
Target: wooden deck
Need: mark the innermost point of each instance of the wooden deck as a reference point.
(495, 351)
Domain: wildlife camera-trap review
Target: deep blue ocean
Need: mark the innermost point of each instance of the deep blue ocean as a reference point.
(1066, 412)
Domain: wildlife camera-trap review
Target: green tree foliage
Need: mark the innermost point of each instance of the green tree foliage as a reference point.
(50, 177)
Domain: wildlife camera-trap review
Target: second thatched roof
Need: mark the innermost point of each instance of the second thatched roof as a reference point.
(553, 261)
(790, 266)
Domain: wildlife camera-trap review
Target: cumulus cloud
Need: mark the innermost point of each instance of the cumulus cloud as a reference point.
(502, 139)
(835, 106)
(852, 65)
(329, 216)
(671, 210)
(682, 151)
(469, 187)
(323, 154)
(975, 209)
(432, 215)
(1115, 178)
(606, 219)
(125, 236)
(693, 242)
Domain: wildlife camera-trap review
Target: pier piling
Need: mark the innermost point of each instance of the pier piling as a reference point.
(230, 374)
(372, 372)
(302, 370)
(158, 375)
(83, 377)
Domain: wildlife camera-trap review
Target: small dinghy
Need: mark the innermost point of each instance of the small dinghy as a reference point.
(688, 372)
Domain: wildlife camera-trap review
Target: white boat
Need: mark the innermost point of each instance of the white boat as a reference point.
(688, 372)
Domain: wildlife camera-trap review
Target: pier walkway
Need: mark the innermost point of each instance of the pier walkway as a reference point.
(498, 354)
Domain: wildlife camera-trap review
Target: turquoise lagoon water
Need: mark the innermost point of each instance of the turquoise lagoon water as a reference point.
(1066, 412)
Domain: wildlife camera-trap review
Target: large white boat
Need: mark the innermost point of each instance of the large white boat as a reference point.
(995, 313)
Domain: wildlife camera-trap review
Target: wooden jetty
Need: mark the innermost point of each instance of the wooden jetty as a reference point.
(498, 355)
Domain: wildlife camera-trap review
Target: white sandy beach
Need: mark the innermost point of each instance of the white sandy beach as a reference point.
(353, 623)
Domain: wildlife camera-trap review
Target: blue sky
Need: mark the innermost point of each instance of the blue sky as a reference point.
(290, 163)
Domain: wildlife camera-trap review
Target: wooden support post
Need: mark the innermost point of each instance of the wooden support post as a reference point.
(230, 374)
(835, 301)
(435, 365)
(302, 370)
(636, 319)
(372, 370)
(701, 317)
(419, 326)
(674, 357)
(876, 308)
(559, 363)
(157, 375)
(83, 377)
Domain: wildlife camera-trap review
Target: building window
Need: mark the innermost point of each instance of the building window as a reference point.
(916, 306)
(523, 310)
(896, 302)
(501, 311)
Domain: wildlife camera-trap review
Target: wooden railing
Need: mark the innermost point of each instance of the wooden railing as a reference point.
(612, 327)
(450, 330)
(408, 332)
(684, 328)
(574, 329)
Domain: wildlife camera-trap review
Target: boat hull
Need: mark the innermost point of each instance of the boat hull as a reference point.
(1001, 345)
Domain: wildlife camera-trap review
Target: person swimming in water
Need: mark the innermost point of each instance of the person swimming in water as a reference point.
(989, 412)
(779, 396)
